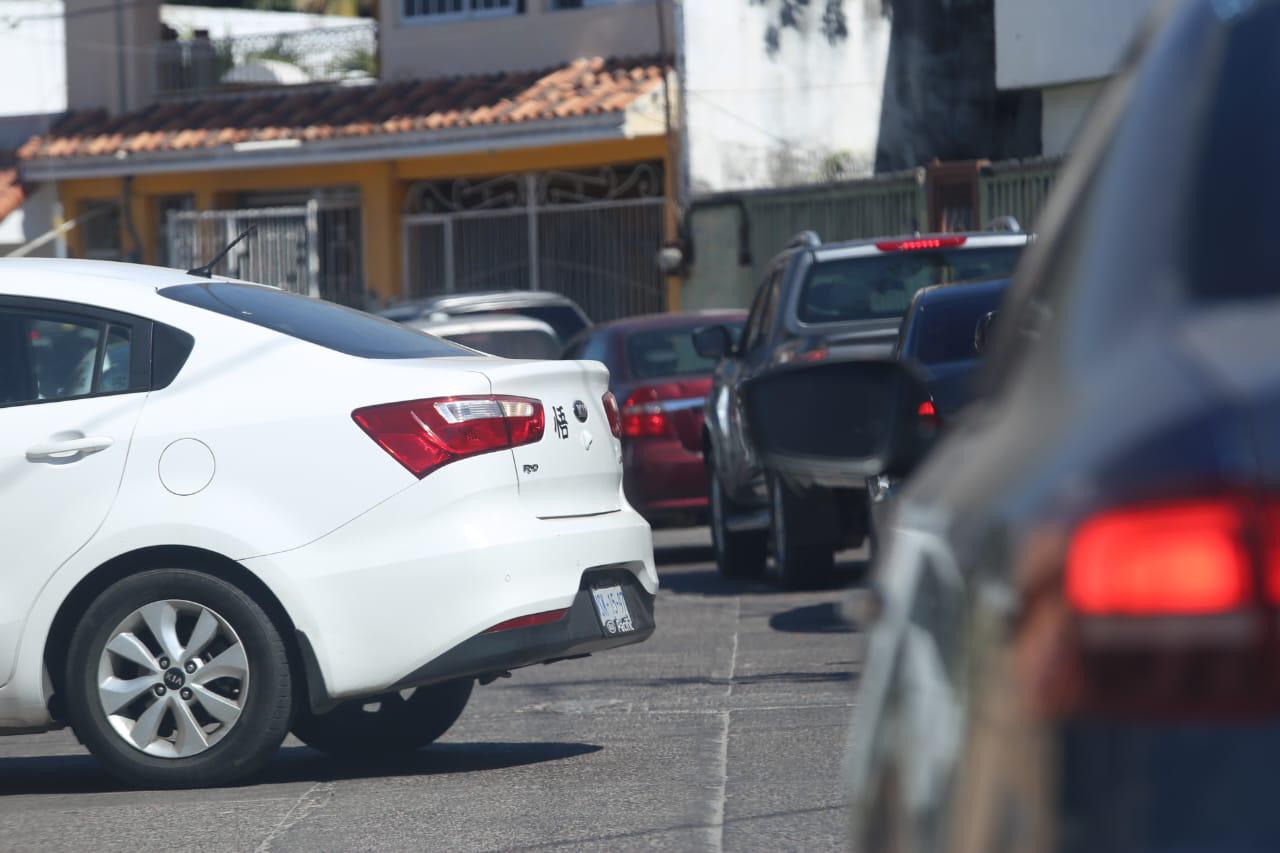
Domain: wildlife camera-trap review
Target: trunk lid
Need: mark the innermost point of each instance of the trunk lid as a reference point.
(576, 468)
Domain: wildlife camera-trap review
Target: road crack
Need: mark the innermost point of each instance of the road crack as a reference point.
(313, 799)
(716, 826)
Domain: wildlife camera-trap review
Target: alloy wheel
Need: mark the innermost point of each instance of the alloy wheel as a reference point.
(173, 678)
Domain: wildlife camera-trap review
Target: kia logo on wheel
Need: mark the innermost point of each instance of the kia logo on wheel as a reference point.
(580, 410)
(173, 679)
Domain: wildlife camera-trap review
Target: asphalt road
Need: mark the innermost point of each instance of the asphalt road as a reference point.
(724, 731)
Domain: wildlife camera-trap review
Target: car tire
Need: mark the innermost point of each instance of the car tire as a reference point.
(386, 725)
(227, 697)
(738, 553)
(800, 563)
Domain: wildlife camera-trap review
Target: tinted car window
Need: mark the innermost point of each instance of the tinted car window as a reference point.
(513, 344)
(326, 324)
(562, 318)
(666, 352)
(881, 286)
(49, 357)
(946, 327)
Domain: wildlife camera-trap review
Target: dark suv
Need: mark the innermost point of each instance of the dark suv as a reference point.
(818, 302)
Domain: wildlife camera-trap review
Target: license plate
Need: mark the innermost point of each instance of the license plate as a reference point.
(611, 606)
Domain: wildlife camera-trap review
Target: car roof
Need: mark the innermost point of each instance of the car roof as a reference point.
(503, 297)
(473, 323)
(673, 319)
(106, 284)
(958, 291)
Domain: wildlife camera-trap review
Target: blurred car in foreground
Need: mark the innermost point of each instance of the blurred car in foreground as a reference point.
(818, 302)
(1077, 647)
(503, 335)
(661, 384)
(559, 312)
(229, 512)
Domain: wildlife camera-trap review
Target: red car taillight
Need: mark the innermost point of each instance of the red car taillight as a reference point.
(612, 413)
(1181, 559)
(1170, 612)
(647, 411)
(423, 435)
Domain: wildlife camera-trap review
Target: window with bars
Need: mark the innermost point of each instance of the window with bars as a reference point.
(456, 9)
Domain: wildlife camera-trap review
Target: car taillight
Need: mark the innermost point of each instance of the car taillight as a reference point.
(611, 412)
(1185, 558)
(1171, 611)
(647, 410)
(917, 244)
(423, 435)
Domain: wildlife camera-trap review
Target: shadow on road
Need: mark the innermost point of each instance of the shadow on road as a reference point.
(813, 619)
(675, 555)
(848, 573)
(81, 774)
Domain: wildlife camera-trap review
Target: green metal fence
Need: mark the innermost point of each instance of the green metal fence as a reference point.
(1017, 188)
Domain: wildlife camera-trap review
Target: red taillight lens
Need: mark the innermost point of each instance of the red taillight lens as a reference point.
(1180, 559)
(423, 435)
(647, 410)
(544, 618)
(921, 243)
(611, 412)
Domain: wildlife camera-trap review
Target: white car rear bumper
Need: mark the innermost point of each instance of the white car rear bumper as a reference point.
(388, 593)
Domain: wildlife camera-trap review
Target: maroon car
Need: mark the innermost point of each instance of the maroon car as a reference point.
(661, 384)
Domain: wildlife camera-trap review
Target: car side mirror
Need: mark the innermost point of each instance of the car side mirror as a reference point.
(713, 342)
(838, 423)
(982, 332)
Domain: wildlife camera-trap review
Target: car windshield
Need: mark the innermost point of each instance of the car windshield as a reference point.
(881, 286)
(945, 328)
(518, 343)
(313, 320)
(667, 352)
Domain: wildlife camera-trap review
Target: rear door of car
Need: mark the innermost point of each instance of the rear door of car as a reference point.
(73, 381)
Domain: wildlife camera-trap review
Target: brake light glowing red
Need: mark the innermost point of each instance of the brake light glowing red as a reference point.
(647, 412)
(530, 621)
(611, 412)
(927, 410)
(920, 243)
(423, 435)
(1187, 558)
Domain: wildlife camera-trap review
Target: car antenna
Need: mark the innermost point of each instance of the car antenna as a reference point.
(206, 271)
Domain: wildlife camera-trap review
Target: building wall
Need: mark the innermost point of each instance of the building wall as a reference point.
(807, 111)
(1065, 109)
(31, 51)
(541, 37)
(1048, 42)
(381, 186)
(96, 42)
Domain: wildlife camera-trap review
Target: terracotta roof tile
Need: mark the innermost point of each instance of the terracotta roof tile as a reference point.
(12, 191)
(583, 87)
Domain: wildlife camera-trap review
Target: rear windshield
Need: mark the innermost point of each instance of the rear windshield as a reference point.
(667, 352)
(566, 321)
(323, 323)
(945, 329)
(524, 343)
(881, 286)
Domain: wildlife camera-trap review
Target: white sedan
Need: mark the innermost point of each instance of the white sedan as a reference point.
(228, 512)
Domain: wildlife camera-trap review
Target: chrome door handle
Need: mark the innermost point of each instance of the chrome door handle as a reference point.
(59, 450)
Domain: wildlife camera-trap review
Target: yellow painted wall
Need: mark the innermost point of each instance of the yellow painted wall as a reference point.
(382, 187)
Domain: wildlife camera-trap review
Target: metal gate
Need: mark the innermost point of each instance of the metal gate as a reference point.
(313, 248)
(542, 232)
